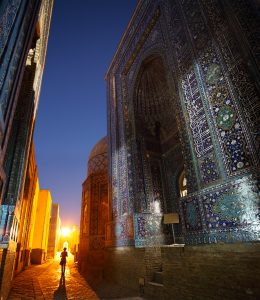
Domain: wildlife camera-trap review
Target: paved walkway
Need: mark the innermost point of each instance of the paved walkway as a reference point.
(45, 282)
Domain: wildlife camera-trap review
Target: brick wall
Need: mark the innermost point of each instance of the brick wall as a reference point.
(124, 266)
(152, 261)
(7, 260)
(210, 272)
(230, 271)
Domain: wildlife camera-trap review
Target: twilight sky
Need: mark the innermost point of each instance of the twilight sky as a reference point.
(72, 111)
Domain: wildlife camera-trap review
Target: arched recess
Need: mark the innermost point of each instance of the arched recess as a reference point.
(158, 157)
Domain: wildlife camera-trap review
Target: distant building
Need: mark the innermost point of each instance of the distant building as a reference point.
(69, 238)
(41, 228)
(54, 231)
(74, 241)
(94, 212)
(24, 30)
(33, 218)
(29, 204)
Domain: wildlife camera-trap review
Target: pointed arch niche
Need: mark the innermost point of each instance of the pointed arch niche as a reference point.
(158, 160)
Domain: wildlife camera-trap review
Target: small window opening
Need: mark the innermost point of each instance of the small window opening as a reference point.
(183, 185)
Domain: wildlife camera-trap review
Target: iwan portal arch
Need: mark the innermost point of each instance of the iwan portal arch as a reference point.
(183, 113)
(157, 155)
(172, 84)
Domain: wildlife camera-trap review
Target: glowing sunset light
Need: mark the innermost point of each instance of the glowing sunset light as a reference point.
(65, 231)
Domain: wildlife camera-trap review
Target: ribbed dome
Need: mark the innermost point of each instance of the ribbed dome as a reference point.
(97, 162)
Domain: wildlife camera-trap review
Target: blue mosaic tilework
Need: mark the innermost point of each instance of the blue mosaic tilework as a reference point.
(193, 101)
(241, 73)
(217, 108)
(198, 122)
(11, 59)
(191, 214)
(223, 106)
(113, 150)
(227, 212)
(123, 231)
(8, 224)
(148, 230)
(238, 80)
(208, 169)
(232, 207)
(7, 16)
(224, 112)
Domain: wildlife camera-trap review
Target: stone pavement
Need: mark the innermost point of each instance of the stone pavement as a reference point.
(45, 282)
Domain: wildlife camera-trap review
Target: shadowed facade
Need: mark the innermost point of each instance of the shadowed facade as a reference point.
(24, 37)
(177, 102)
(183, 137)
(94, 213)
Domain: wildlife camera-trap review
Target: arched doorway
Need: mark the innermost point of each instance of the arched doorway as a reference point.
(158, 160)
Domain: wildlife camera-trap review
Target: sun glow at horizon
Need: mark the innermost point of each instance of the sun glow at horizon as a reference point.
(65, 231)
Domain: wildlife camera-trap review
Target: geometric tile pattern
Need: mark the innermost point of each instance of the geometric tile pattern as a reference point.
(98, 158)
(149, 230)
(226, 213)
(216, 107)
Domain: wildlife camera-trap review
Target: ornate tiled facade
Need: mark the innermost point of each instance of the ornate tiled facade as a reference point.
(183, 94)
(95, 227)
(23, 43)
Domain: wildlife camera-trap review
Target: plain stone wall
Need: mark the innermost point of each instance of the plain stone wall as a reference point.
(209, 272)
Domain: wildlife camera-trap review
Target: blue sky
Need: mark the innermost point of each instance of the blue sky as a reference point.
(72, 111)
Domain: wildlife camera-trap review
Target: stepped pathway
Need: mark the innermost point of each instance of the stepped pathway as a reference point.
(45, 282)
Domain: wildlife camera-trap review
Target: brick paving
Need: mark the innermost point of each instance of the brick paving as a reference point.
(45, 282)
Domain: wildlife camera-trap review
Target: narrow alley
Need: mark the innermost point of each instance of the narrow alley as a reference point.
(130, 143)
(45, 282)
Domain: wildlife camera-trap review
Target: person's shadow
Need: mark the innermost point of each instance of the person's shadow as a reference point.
(60, 293)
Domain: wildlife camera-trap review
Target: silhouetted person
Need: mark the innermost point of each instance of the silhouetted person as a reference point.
(63, 261)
